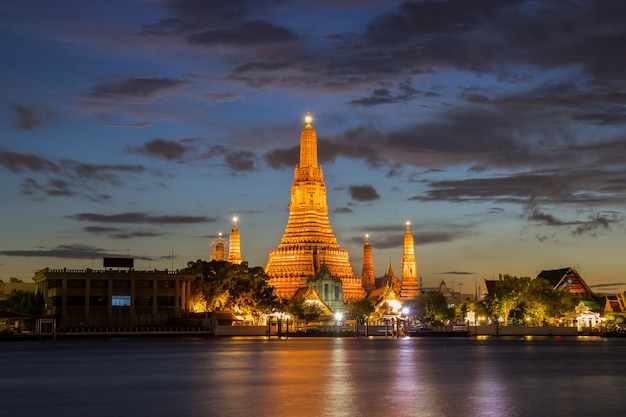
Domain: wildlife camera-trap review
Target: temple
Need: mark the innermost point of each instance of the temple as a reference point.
(309, 243)
(234, 245)
(409, 287)
(367, 274)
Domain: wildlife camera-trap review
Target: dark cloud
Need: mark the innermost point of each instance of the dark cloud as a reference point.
(33, 116)
(135, 88)
(62, 251)
(162, 148)
(118, 233)
(224, 97)
(364, 192)
(19, 162)
(456, 273)
(241, 161)
(392, 237)
(248, 34)
(68, 178)
(138, 218)
(343, 210)
(384, 94)
(591, 226)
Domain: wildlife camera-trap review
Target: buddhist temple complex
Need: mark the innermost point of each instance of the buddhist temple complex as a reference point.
(309, 243)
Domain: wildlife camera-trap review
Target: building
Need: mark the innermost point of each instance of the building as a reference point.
(568, 279)
(368, 277)
(114, 298)
(409, 287)
(234, 245)
(308, 241)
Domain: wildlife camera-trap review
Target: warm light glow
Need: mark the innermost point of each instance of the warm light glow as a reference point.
(338, 316)
(405, 311)
(367, 235)
(308, 118)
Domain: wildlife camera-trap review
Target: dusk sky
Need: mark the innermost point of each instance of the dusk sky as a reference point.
(140, 128)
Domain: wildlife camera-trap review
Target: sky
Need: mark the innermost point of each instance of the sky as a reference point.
(141, 127)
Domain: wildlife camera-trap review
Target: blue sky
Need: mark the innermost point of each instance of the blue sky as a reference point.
(142, 127)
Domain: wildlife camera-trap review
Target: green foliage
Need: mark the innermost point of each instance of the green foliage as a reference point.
(361, 308)
(225, 286)
(304, 310)
(430, 307)
(505, 297)
(26, 302)
(534, 299)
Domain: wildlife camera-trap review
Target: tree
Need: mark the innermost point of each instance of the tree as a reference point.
(226, 286)
(505, 297)
(359, 309)
(431, 307)
(26, 302)
(542, 301)
(304, 310)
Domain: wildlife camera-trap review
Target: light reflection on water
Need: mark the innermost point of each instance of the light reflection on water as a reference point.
(336, 377)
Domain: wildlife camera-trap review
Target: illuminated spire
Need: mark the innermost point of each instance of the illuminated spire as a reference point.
(308, 146)
(410, 286)
(309, 242)
(367, 275)
(234, 247)
(219, 248)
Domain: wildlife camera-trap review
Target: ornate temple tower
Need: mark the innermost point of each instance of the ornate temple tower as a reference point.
(234, 245)
(309, 242)
(409, 286)
(217, 254)
(367, 275)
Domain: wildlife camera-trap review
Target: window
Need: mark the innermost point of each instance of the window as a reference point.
(120, 301)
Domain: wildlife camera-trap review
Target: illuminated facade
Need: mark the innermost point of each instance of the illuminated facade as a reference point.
(409, 286)
(234, 245)
(218, 249)
(309, 242)
(367, 274)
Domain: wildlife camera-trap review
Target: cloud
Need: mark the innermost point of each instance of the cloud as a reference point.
(138, 217)
(602, 220)
(343, 210)
(117, 233)
(33, 116)
(384, 94)
(364, 192)
(19, 162)
(241, 161)
(247, 34)
(162, 148)
(224, 97)
(118, 88)
(68, 178)
(456, 273)
(76, 251)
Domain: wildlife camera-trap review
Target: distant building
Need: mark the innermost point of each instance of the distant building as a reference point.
(567, 279)
(114, 298)
(234, 251)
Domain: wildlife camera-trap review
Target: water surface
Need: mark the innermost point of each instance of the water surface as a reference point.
(235, 377)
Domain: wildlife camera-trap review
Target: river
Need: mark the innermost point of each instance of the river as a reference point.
(334, 377)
